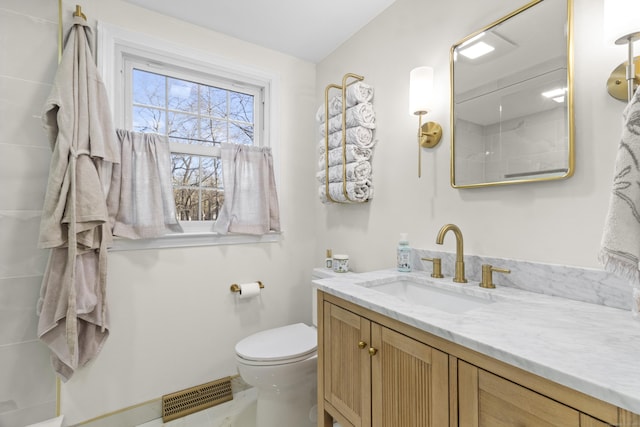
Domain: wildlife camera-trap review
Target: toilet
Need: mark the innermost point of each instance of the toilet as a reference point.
(281, 363)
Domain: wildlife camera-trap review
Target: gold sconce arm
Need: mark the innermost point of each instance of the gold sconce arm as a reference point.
(420, 99)
(621, 27)
(429, 135)
(618, 83)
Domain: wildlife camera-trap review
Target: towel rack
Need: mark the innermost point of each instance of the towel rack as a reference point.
(78, 12)
(343, 88)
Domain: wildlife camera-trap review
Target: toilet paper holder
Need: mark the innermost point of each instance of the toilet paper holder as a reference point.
(236, 288)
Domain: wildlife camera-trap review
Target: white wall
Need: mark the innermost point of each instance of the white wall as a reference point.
(27, 65)
(174, 322)
(556, 222)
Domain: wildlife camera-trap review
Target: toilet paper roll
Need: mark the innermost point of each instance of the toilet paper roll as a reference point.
(249, 290)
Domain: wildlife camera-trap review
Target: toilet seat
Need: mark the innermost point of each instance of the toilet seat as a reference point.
(286, 344)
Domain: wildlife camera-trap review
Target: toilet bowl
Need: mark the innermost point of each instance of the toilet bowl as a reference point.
(281, 363)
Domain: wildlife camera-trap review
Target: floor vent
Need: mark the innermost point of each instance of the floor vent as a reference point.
(194, 399)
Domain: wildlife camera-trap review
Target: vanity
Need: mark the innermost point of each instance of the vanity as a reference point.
(404, 349)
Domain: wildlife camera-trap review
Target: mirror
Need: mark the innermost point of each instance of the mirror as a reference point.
(512, 99)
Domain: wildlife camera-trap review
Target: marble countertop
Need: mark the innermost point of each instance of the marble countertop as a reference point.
(588, 347)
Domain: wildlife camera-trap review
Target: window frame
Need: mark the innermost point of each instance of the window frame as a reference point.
(118, 49)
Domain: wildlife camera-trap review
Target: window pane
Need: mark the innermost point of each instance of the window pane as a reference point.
(211, 204)
(186, 204)
(213, 101)
(241, 107)
(210, 172)
(213, 130)
(184, 127)
(148, 88)
(148, 120)
(241, 134)
(183, 95)
(185, 170)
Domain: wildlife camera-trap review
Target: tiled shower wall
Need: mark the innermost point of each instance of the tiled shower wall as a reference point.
(28, 56)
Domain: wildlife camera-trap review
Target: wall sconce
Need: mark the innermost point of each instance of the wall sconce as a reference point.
(621, 26)
(420, 97)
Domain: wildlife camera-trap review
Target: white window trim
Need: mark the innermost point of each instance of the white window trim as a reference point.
(112, 43)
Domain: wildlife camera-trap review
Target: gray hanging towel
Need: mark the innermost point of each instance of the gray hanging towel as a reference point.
(72, 306)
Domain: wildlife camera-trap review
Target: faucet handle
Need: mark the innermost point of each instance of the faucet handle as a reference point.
(487, 275)
(437, 267)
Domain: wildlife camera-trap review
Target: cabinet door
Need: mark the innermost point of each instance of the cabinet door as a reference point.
(587, 421)
(347, 367)
(486, 400)
(410, 382)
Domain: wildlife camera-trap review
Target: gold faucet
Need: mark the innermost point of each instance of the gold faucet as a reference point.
(487, 276)
(459, 277)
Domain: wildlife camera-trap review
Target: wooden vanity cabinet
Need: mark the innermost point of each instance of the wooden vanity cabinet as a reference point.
(374, 371)
(374, 376)
(487, 400)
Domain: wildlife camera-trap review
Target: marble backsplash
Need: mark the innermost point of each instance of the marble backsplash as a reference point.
(577, 283)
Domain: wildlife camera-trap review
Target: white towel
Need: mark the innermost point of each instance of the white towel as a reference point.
(359, 136)
(355, 93)
(358, 115)
(335, 108)
(360, 191)
(620, 249)
(90, 303)
(356, 171)
(77, 119)
(353, 152)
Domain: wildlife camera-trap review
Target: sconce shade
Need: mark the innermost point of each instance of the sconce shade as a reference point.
(421, 90)
(621, 20)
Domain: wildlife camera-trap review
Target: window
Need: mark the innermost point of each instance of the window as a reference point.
(199, 101)
(197, 113)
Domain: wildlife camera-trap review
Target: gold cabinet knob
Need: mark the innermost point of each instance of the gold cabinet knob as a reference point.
(372, 351)
(362, 344)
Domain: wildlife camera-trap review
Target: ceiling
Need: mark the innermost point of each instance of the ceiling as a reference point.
(306, 29)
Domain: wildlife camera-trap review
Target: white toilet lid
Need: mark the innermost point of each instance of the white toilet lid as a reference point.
(297, 341)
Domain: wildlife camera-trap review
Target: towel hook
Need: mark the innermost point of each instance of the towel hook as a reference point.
(79, 13)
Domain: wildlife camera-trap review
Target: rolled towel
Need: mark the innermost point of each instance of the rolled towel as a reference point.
(335, 108)
(354, 154)
(359, 136)
(359, 191)
(356, 93)
(358, 115)
(356, 171)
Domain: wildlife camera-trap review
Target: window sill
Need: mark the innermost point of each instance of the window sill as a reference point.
(185, 240)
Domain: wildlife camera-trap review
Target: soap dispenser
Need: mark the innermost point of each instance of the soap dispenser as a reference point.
(404, 254)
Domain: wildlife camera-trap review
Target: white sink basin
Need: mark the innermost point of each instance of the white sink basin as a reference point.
(425, 295)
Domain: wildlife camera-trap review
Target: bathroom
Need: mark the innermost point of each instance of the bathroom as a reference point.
(174, 322)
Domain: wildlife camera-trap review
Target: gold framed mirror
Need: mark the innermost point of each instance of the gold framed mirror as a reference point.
(512, 99)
